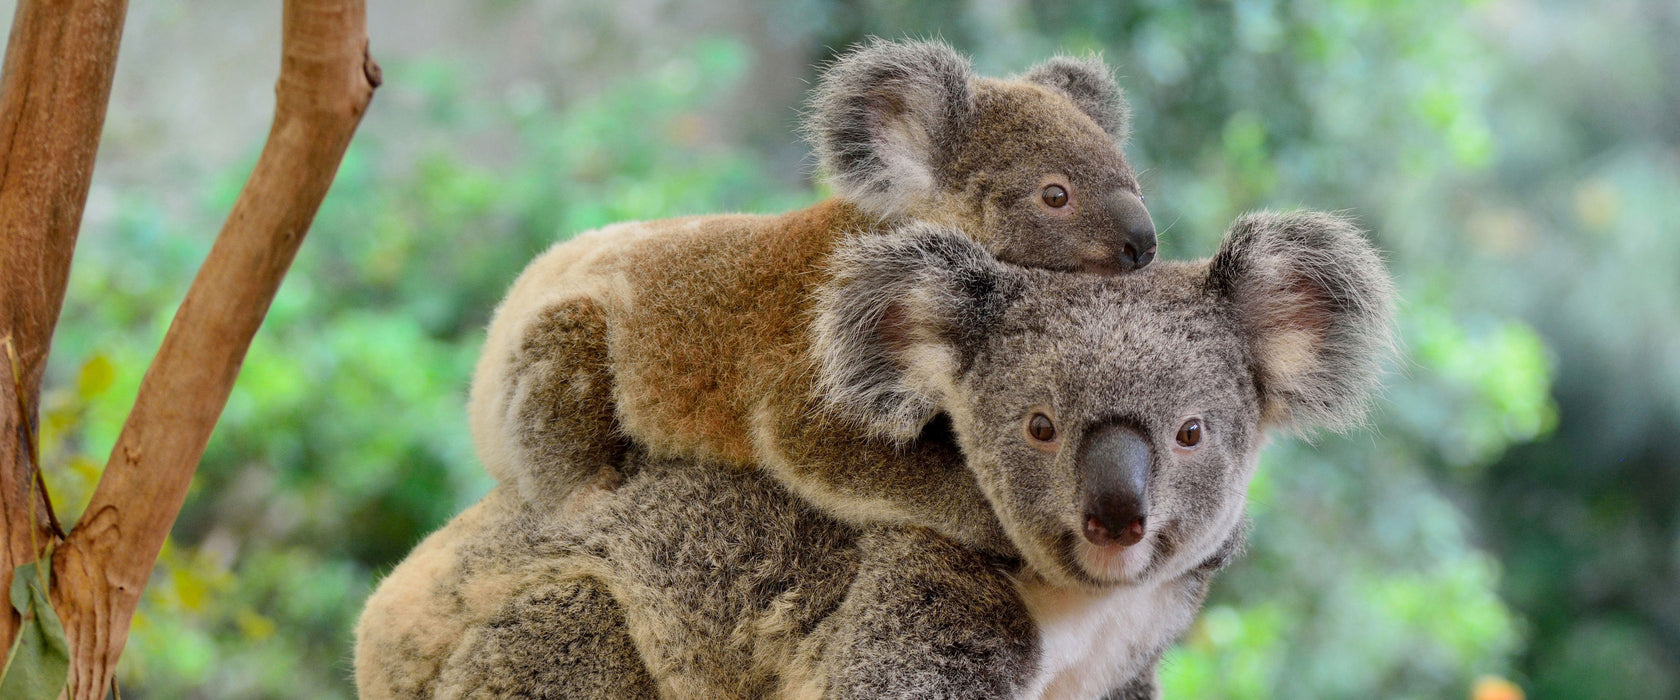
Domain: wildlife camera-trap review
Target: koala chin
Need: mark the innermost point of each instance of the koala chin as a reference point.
(692, 337)
(1111, 425)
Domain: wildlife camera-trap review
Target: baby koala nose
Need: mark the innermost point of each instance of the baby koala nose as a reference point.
(1135, 245)
(1131, 256)
(1116, 465)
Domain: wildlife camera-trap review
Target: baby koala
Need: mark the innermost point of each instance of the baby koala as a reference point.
(694, 336)
(1112, 425)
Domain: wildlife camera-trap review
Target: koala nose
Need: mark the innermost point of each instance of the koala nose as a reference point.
(1116, 464)
(1135, 246)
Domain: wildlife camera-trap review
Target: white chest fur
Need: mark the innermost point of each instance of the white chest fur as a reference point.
(1091, 643)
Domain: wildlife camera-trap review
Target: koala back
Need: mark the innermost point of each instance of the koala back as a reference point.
(701, 319)
(693, 336)
(707, 343)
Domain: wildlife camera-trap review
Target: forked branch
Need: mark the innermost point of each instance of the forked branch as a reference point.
(326, 81)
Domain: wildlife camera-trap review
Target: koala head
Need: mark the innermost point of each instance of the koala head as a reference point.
(1030, 166)
(1113, 423)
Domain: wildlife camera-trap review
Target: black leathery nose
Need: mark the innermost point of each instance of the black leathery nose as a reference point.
(1115, 465)
(1134, 228)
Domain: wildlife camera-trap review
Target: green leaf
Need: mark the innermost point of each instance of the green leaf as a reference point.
(96, 376)
(39, 663)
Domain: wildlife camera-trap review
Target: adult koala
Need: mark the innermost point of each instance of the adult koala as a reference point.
(692, 336)
(1112, 424)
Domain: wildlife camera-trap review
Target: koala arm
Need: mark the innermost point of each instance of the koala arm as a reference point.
(565, 638)
(541, 406)
(864, 480)
(559, 424)
(492, 605)
(924, 618)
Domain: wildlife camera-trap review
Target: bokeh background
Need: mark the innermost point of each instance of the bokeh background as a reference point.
(1512, 512)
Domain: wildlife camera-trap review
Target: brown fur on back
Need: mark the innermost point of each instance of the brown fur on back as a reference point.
(709, 343)
(708, 320)
(715, 327)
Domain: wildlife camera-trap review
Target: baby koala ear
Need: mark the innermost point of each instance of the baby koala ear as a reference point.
(896, 320)
(1088, 81)
(1317, 309)
(882, 114)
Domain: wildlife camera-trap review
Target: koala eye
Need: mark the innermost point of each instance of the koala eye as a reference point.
(1055, 196)
(1040, 427)
(1190, 434)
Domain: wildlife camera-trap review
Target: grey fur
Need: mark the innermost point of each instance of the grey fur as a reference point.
(730, 588)
(1286, 326)
(1311, 271)
(1088, 81)
(887, 296)
(880, 114)
(534, 646)
(889, 122)
(728, 585)
(692, 336)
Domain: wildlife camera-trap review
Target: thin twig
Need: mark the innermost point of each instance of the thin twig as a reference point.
(32, 447)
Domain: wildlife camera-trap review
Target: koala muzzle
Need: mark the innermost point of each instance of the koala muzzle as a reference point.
(1115, 465)
(1134, 246)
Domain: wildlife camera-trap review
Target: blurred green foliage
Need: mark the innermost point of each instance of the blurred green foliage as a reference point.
(1511, 511)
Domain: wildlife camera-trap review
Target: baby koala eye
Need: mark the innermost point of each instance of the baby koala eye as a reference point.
(1041, 428)
(1055, 195)
(1190, 434)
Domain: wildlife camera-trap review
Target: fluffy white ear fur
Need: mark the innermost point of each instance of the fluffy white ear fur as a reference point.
(1318, 310)
(889, 323)
(879, 116)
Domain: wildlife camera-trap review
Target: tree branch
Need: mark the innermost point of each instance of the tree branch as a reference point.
(53, 91)
(326, 81)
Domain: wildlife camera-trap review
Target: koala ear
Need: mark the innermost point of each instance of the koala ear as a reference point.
(882, 114)
(1317, 309)
(896, 320)
(1088, 81)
